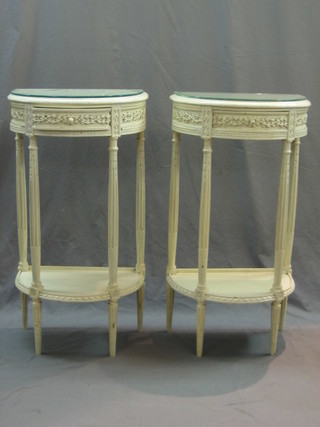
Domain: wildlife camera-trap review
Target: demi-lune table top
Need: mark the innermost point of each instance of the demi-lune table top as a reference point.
(76, 96)
(255, 100)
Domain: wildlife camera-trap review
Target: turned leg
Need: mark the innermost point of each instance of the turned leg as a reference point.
(173, 221)
(284, 304)
(113, 315)
(170, 301)
(36, 306)
(201, 311)
(24, 309)
(140, 301)
(140, 222)
(275, 318)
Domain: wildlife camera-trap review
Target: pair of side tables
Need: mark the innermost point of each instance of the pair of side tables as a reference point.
(113, 113)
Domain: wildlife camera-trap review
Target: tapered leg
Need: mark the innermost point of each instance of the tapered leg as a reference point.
(24, 309)
(113, 242)
(21, 194)
(170, 301)
(140, 222)
(284, 304)
(204, 230)
(282, 221)
(35, 239)
(275, 318)
(293, 193)
(113, 316)
(113, 215)
(140, 302)
(37, 306)
(173, 221)
(201, 311)
(204, 217)
(34, 208)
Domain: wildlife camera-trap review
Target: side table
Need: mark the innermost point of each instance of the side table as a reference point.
(77, 113)
(249, 117)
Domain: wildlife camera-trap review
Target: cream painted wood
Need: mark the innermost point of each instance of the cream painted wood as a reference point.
(21, 195)
(72, 114)
(140, 222)
(237, 116)
(173, 221)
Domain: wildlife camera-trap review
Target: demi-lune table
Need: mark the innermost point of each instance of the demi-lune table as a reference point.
(77, 113)
(248, 117)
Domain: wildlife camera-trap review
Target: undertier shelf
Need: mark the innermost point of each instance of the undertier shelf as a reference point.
(234, 285)
(79, 284)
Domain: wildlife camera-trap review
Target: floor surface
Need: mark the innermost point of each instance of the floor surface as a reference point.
(156, 379)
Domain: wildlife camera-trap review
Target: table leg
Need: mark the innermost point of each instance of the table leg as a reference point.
(280, 243)
(140, 221)
(204, 231)
(113, 316)
(35, 238)
(201, 312)
(294, 172)
(284, 304)
(113, 241)
(173, 221)
(22, 222)
(24, 309)
(37, 314)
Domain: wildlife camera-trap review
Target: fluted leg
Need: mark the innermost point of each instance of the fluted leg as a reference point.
(284, 304)
(275, 318)
(113, 214)
(173, 221)
(24, 309)
(21, 194)
(201, 311)
(294, 172)
(37, 306)
(170, 301)
(282, 220)
(22, 222)
(34, 208)
(140, 222)
(113, 241)
(35, 239)
(140, 303)
(204, 231)
(113, 315)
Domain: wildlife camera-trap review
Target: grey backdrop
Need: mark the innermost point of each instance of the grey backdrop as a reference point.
(161, 46)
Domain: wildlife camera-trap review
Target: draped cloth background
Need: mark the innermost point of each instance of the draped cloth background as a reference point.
(160, 46)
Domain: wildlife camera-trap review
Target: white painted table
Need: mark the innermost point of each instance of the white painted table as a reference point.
(77, 113)
(236, 116)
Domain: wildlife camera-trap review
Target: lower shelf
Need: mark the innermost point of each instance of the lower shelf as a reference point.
(79, 284)
(232, 285)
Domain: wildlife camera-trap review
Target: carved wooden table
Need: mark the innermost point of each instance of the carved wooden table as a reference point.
(77, 113)
(249, 117)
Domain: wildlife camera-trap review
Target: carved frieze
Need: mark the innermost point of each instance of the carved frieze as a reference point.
(18, 114)
(132, 115)
(301, 119)
(116, 121)
(187, 116)
(250, 121)
(70, 119)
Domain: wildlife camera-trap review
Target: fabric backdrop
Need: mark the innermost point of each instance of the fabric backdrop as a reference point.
(162, 46)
